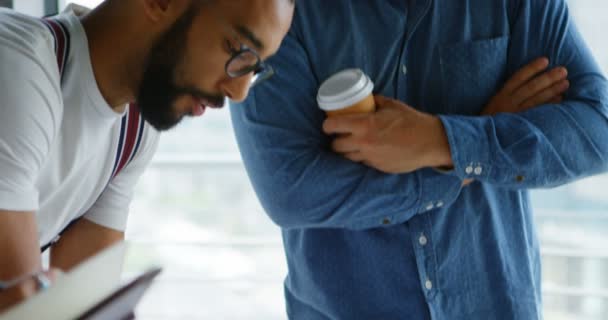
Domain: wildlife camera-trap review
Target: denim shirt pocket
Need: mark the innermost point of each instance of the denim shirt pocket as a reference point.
(472, 72)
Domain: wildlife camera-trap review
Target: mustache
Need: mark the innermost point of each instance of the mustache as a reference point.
(216, 100)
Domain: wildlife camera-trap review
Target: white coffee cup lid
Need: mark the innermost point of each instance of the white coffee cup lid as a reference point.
(344, 89)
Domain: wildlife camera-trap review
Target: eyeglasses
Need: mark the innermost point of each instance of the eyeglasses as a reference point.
(244, 61)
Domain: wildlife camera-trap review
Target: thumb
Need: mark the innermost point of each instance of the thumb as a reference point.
(390, 103)
(383, 102)
(54, 274)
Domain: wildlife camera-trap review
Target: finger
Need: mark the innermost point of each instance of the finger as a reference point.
(546, 95)
(345, 124)
(385, 102)
(54, 274)
(354, 156)
(538, 84)
(381, 100)
(526, 73)
(344, 145)
(557, 100)
(367, 163)
(490, 109)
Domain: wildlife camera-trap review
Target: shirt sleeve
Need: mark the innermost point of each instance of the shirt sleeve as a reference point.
(551, 144)
(30, 115)
(300, 182)
(111, 210)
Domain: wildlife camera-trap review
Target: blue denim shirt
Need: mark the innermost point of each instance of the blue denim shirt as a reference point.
(361, 244)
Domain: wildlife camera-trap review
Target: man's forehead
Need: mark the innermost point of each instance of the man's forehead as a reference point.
(261, 23)
(250, 35)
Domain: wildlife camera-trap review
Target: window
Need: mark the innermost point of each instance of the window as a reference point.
(196, 214)
(6, 3)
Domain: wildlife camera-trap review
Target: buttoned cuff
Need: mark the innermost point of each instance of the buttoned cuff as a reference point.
(468, 146)
(438, 190)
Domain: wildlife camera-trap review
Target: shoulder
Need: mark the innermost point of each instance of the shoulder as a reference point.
(30, 94)
(27, 58)
(25, 34)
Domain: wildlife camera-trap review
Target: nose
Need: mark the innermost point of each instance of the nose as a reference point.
(236, 89)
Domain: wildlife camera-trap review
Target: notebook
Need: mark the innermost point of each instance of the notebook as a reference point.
(92, 290)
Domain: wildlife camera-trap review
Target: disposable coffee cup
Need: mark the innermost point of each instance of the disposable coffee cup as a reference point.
(347, 92)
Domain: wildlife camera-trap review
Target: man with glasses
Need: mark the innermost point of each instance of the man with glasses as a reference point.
(83, 97)
(380, 217)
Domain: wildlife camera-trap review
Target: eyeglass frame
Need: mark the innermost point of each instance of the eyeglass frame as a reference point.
(260, 67)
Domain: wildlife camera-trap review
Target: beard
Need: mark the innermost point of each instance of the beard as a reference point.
(158, 91)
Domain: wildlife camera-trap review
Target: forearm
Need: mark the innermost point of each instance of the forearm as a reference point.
(81, 241)
(543, 147)
(300, 182)
(18, 244)
(324, 190)
(20, 255)
(551, 144)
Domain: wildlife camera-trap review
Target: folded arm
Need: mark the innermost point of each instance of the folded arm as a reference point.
(300, 181)
(549, 145)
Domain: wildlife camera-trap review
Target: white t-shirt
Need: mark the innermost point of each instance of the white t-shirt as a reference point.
(58, 143)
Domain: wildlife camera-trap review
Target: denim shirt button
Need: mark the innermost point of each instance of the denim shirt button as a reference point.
(428, 284)
(423, 240)
(469, 170)
(478, 170)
